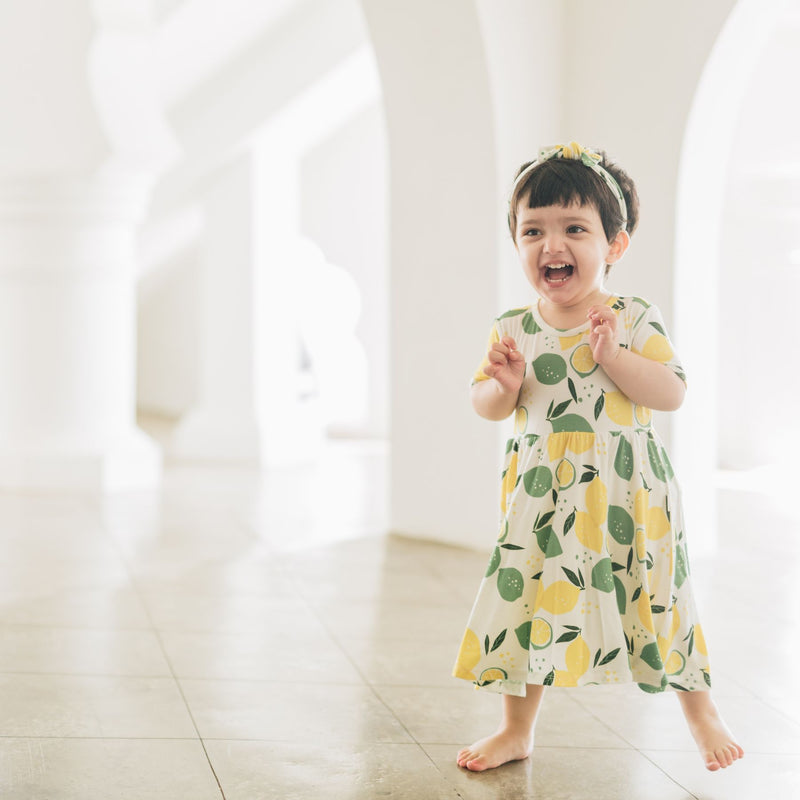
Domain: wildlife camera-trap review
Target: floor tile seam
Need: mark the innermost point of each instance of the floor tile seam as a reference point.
(54, 737)
(666, 774)
(110, 675)
(8, 626)
(367, 683)
(134, 584)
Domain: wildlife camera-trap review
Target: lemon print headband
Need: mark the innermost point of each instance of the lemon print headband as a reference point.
(586, 156)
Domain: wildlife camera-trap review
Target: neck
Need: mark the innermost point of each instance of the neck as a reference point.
(565, 317)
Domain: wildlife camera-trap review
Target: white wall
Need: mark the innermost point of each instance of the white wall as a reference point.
(344, 210)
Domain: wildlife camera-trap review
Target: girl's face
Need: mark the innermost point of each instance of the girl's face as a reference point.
(564, 252)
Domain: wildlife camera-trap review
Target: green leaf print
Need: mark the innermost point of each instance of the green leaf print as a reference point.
(575, 580)
(538, 481)
(620, 525)
(549, 678)
(572, 390)
(602, 578)
(549, 368)
(706, 678)
(510, 584)
(623, 463)
(569, 636)
(499, 640)
(609, 657)
(600, 405)
(589, 475)
(570, 521)
(658, 328)
(523, 633)
(667, 465)
(559, 410)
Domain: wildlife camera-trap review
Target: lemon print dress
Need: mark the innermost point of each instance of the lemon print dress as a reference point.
(589, 582)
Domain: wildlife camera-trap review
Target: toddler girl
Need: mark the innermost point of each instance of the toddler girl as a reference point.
(589, 581)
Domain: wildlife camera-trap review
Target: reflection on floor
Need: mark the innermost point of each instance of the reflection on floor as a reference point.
(249, 637)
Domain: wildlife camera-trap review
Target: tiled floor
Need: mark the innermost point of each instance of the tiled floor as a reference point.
(220, 638)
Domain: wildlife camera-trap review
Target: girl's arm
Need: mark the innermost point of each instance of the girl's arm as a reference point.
(644, 381)
(497, 397)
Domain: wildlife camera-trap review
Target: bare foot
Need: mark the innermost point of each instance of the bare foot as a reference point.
(495, 750)
(714, 740)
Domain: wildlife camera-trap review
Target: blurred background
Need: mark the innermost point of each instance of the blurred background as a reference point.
(268, 234)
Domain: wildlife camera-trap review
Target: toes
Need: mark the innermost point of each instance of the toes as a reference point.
(476, 764)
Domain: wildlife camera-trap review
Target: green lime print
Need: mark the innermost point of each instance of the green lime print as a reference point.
(620, 525)
(681, 567)
(589, 581)
(538, 481)
(550, 368)
(548, 542)
(510, 584)
(602, 576)
(571, 422)
(655, 460)
(623, 463)
(651, 656)
(494, 562)
(523, 633)
(529, 324)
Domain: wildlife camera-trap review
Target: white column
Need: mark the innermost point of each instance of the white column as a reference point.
(81, 140)
(249, 412)
(444, 283)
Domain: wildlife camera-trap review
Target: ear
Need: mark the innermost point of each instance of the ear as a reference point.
(618, 247)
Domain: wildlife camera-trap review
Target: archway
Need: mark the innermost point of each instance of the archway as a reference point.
(707, 156)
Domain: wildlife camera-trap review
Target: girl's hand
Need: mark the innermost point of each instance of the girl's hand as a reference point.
(506, 365)
(603, 334)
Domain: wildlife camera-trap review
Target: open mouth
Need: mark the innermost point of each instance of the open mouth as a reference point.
(558, 273)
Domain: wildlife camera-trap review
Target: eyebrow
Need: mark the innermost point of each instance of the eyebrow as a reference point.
(525, 220)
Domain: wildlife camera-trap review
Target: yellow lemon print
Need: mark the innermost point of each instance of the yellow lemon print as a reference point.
(619, 408)
(570, 341)
(700, 640)
(558, 598)
(564, 678)
(657, 348)
(565, 473)
(583, 361)
(509, 482)
(492, 674)
(675, 663)
(589, 533)
(577, 657)
(657, 523)
(645, 614)
(521, 420)
(640, 504)
(641, 546)
(557, 445)
(468, 656)
(597, 500)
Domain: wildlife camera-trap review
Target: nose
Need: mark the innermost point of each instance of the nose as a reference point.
(553, 243)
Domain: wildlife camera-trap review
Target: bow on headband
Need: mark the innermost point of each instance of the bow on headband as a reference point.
(588, 158)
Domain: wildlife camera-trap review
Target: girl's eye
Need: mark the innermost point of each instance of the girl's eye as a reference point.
(576, 229)
(531, 232)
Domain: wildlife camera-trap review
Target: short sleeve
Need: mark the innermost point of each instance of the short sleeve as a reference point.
(480, 375)
(651, 340)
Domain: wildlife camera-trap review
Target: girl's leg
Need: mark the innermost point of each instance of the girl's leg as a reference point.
(514, 738)
(714, 740)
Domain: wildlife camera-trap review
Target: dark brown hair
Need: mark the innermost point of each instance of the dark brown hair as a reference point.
(564, 181)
